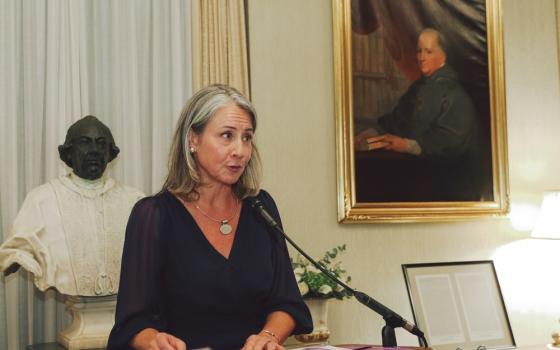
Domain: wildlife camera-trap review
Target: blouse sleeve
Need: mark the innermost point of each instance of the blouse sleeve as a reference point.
(285, 294)
(138, 301)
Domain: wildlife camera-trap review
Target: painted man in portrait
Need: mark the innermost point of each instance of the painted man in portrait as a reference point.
(436, 125)
(435, 118)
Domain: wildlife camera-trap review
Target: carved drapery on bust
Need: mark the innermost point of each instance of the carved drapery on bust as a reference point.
(69, 233)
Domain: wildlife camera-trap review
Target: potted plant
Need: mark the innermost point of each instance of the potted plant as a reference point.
(317, 289)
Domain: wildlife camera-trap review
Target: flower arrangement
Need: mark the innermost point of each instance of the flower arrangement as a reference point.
(313, 283)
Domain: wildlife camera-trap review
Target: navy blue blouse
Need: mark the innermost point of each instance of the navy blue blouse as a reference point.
(173, 280)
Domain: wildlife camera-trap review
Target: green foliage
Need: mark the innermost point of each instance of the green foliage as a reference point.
(313, 283)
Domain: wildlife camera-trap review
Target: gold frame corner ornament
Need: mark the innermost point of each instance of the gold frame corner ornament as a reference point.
(351, 211)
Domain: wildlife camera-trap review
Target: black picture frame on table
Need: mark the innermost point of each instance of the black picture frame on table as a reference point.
(459, 305)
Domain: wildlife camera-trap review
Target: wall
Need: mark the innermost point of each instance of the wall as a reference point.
(292, 88)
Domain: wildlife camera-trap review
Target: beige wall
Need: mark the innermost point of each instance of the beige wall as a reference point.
(292, 88)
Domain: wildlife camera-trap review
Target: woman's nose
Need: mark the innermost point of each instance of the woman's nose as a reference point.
(237, 147)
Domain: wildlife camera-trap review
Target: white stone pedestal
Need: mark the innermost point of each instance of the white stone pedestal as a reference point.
(92, 320)
(319, 309)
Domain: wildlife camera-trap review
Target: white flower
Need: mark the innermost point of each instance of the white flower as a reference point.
(325, 289)
(313, 269)
(303, 288)
(309, 278)
(298, 272)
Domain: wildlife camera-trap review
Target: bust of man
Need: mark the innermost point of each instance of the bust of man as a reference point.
(69, 232)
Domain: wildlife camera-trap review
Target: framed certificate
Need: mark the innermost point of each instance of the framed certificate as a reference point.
(459, 305)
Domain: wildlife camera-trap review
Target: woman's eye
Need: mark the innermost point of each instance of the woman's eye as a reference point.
(226, 135)
(247, 137)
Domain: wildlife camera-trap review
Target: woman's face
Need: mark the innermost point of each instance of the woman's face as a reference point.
(224, 148)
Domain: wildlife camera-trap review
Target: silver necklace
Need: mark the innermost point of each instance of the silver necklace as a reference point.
(225, 227)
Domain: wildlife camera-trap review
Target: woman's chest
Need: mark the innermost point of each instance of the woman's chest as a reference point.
(194, 267)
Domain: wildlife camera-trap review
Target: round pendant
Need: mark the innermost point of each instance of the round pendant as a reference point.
(225, 228)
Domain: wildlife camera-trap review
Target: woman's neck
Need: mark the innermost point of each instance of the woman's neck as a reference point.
(216, 198)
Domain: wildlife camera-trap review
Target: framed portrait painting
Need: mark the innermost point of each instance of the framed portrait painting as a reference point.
(420, 110)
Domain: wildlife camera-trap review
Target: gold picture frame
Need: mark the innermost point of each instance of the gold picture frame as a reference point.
(353, 209)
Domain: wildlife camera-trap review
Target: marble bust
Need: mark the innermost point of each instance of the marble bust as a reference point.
(69, 232)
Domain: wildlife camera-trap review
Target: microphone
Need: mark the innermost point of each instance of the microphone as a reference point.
(381, 309)
(391, 318)
(258, 206)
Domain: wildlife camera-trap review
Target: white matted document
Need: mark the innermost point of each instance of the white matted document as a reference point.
(443, 324)
(459, 305)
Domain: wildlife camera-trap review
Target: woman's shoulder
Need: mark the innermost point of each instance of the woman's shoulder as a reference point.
(268, 201)
(265, 196)
(158, 202)
(264, 193)
(155, 211)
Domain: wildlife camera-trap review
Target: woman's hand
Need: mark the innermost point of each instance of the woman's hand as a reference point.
(151, 339)
(164, 341)
(262, 341)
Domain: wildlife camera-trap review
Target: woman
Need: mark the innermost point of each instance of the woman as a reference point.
(199, 269)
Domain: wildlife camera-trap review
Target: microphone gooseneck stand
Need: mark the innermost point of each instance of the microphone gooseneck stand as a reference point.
(392, 319)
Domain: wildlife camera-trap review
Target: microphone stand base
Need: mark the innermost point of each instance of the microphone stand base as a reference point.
(388, 337)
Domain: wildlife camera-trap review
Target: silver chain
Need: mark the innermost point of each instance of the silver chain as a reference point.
(216, 220)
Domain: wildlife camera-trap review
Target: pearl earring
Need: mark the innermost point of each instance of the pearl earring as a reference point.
(191, 149)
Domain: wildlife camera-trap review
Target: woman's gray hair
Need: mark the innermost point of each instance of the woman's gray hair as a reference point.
(183, 177)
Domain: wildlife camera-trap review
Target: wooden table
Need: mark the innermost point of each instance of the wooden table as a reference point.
(48, 346)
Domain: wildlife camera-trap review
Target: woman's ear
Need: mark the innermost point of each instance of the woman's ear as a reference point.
(193, 142)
